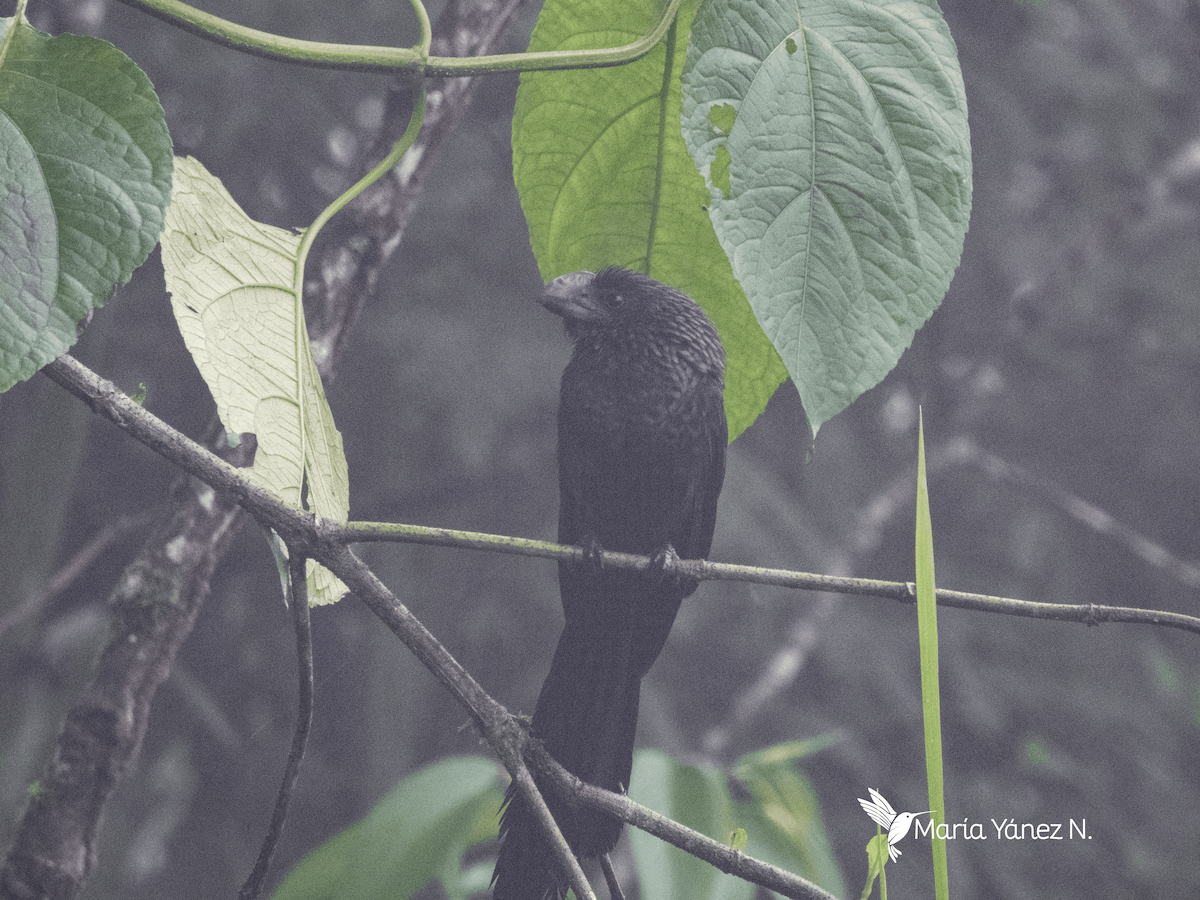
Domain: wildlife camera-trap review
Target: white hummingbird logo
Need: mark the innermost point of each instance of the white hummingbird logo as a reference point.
(895, 824)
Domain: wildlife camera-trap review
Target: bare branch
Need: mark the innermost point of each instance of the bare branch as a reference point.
(705, 570)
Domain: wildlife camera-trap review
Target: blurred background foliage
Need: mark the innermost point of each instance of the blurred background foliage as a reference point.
(1069, 344)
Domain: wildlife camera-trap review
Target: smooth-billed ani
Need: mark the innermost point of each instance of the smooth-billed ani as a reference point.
(641, 459)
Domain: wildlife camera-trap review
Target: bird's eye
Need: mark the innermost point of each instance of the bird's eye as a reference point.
(618, 300)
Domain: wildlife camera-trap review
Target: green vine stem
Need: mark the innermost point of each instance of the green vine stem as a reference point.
(18, 18)
(389, 59)
(385, 165)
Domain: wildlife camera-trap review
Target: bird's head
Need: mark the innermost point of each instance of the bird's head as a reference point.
(628, 309)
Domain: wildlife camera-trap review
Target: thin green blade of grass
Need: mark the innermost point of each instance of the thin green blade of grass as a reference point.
(930, 694)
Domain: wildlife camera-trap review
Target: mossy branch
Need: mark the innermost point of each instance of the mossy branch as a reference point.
(321, 538)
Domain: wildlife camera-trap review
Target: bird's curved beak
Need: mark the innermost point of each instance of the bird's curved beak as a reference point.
(568, 296)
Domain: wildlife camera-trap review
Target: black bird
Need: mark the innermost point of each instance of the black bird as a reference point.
(641, 460)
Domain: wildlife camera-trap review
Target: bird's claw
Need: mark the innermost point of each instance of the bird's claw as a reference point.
(664, 567)
(663, 562)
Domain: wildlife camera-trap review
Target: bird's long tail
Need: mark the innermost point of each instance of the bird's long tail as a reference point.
(586, 716)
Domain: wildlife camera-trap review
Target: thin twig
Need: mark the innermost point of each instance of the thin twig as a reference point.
(705, 570)
(614, 886)
(297, 579)
(71, 570)
(567, 862)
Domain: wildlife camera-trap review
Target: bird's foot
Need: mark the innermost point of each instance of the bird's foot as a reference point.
(664, 562)
(593, 554)
(664, 568)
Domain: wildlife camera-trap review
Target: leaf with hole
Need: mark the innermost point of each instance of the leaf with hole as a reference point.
(232, 283)
(840, 184)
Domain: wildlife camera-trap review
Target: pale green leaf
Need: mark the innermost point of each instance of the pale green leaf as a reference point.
(232, 289)
(780, 825)
(784, 815)
(877, 857)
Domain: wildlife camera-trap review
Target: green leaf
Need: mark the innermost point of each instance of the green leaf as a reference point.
(85, 175)
(785, 816)
(738, 839)
(784, 754)
(722, 118)
(877, 857)
(781, 825)
(842, 191)
(232, 284)
(605, 179)
(416, 834)
(699, 799)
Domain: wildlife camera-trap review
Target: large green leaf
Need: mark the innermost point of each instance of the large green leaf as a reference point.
(85, 175)
(833, 139)
(784, 816)
(605, 179)
(781, 824)
(232, 282)
(699, 799)
(416, 834)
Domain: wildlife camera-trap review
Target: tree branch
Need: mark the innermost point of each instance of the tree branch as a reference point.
(327, 542)
(154, 604)
(71, 571)
(705, 570)
(324, 541)
(151, 611)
